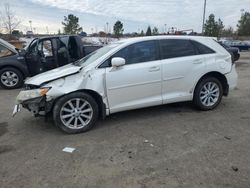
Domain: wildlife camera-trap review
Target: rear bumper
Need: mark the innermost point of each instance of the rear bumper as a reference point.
(232, 78)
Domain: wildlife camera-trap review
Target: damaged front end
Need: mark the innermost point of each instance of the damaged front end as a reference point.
(34, 100)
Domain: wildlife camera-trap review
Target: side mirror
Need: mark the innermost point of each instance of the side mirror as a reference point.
(117, 61)
(22, 52)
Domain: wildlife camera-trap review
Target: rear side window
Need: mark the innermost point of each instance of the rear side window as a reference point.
(139, 52)
(202, 49)
(172, 48)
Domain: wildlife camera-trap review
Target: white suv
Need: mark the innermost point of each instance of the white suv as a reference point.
(130, 74)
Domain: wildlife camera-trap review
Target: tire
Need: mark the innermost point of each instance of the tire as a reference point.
(210, 98)
(73, 117)
(11, 78)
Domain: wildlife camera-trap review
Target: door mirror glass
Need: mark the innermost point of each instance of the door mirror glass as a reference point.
(117, 62)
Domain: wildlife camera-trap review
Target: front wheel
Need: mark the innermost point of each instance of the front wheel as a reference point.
(11, 78)
(208, 94)
(75, 112)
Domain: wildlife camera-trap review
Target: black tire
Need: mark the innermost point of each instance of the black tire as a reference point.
(58, 108)
(19, 75)
(197, 94)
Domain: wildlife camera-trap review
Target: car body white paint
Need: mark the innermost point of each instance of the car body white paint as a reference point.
(139, 85)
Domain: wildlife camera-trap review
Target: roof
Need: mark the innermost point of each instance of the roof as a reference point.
(136, 39)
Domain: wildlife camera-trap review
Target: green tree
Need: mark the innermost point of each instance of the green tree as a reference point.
(149, 33)
(118, 28)
(244, 24)
(59, 32)
(71, 24)
(227, 32)
(213, 28)
(142, 33)
(155, 31)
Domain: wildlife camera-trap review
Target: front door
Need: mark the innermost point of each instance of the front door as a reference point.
(137, 84)
(48, 57)
(33, 59)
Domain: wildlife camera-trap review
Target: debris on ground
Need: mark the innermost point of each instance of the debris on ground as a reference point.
(227, 137)
(68, 149)
(235, 168)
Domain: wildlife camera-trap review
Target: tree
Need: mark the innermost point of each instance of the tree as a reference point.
(149, 33)
(70, 24)
(227, 32)
(220, 27)
(213, 28)
(244, 24)
(118, 28)
(59, 32)
(142, 33)
(9, 21)
(155, 31)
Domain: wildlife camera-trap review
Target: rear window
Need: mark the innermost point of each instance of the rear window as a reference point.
(202, 49)
(172, 48)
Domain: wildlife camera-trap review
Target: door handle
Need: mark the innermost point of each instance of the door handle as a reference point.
(198, 61)
(154, 69)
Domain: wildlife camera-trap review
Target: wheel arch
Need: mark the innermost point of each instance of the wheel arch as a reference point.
(221, 77)
(15, 67)
(97, 97)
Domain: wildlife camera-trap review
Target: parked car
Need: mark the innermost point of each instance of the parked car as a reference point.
(241, 45)
(130, 74)
(41, 55)
(232, 50)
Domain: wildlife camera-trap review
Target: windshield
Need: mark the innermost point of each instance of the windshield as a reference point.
(8, 45)
(96, 55)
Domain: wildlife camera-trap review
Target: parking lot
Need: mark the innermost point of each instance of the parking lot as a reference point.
(167, 146)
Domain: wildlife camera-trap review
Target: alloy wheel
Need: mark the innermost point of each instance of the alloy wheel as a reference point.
(76, 113)
(9, 78)
(209, 94)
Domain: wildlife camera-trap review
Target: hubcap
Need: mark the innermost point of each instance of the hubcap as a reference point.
(209, 94)
(9, 78)
(76, 113)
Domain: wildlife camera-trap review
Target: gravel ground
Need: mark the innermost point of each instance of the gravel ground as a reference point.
(167, 146)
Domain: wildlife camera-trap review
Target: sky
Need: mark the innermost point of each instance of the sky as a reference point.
(136, 15)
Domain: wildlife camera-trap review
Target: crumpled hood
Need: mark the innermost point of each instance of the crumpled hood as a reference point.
(53, 74)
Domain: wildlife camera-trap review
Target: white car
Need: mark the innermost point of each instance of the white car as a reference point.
(130, 74)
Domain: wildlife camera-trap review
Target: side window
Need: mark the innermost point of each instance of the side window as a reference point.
(4, 51)
(139, 52)
(171, 48)
(202, 49)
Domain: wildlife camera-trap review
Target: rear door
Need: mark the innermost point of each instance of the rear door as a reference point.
(137, 84)
(180, 65)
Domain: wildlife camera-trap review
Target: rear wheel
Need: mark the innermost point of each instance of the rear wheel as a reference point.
(208, 93)
(75, 113)
(11, 78)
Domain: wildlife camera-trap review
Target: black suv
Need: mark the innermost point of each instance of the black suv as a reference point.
(41, 55)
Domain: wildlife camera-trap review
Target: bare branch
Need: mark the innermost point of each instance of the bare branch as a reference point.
(9, 21)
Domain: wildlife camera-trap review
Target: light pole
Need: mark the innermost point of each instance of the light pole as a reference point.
(107, 27)
(204, 15)
(242, 11)
(30, 25)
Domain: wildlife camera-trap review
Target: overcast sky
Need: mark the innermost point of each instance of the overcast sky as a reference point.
(135, 14)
